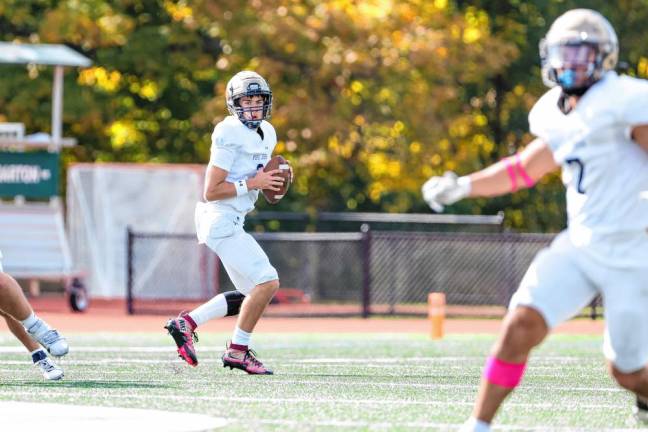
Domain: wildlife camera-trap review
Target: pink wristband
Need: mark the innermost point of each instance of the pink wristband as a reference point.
(528, 181)
(511, 172)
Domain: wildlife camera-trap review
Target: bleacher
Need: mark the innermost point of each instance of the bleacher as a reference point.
(33, 243)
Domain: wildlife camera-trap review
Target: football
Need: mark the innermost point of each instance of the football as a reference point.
(278, 162)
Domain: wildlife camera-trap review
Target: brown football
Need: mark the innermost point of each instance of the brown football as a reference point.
(278, 162)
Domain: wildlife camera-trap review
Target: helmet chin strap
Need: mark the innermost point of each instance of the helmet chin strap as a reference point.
(576, 91)
(252, 124)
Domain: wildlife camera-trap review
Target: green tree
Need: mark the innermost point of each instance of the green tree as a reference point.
(370, 97)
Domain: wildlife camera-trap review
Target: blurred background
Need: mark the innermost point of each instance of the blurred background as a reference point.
(370, 99)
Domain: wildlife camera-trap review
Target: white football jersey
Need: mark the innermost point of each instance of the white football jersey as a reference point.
(240, 151)
(604, 170)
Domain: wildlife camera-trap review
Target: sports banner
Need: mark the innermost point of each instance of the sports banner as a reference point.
(31, 174)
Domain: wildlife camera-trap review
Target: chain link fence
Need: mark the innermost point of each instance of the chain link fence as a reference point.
(168, 271)
(477, 272)
(342, 274)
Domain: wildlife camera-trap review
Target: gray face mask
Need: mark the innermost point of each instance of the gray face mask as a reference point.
(247, 120)
(574, 65)
(248, 83)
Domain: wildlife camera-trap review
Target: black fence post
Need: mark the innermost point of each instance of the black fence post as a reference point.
(129, 266)
(510, 267)
(593, 312)
(366, 270)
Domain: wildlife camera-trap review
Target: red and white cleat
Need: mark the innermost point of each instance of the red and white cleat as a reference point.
(241, 357)
(183, 334)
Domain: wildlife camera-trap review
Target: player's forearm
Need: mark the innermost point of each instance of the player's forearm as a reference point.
(219, 191)
(491, 181)
(224, 189)
(513, 173)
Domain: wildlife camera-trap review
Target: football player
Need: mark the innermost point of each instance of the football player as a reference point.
(49, 369)
(28, 328)
(241, 145)
(593, 124)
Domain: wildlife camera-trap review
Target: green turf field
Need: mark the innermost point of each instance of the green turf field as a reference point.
(329, 382)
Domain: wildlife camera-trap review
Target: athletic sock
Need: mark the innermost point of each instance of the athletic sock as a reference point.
(240, 337)
(214, 308)
(475, 425)
(30, 321)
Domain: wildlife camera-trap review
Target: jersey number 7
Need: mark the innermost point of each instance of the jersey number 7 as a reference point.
(581, 172)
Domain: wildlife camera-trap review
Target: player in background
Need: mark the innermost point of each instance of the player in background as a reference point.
(593, 124)
(241, 145)
(48, 368)
(28, 328)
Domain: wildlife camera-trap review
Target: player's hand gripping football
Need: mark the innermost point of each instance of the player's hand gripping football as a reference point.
(439, 191)
(266, 180)
(278, 162)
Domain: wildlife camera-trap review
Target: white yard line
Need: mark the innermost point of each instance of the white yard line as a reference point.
(348, 383)
(333, 360)
(351, 362)
(427, 425)
(119, 395)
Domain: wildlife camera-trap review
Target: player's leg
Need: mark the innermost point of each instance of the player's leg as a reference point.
(523, 328)
(12, 300)
(183, 328)
(640, 410)
(553, 290)
(253, 275)
(17, 329)
(625, 300)
(14, 303)
(636, 381)
(38, 355)
(238, 354)
(216, 228)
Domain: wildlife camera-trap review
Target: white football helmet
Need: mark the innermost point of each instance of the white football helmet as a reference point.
(248, 83)
(579, 48)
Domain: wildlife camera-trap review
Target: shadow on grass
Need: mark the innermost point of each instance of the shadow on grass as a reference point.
(83, 384)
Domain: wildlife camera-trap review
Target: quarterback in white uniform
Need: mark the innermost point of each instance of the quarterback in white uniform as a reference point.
(594, 125)
(241, 146)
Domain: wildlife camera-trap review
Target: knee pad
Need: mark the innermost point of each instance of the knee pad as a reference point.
(234, 300)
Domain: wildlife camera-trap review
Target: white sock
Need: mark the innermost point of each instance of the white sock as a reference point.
(30, 321)
(214, 308)
(475, 425)
(240, 337)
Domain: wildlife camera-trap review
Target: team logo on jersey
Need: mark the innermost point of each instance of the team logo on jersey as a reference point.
(259, 156)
